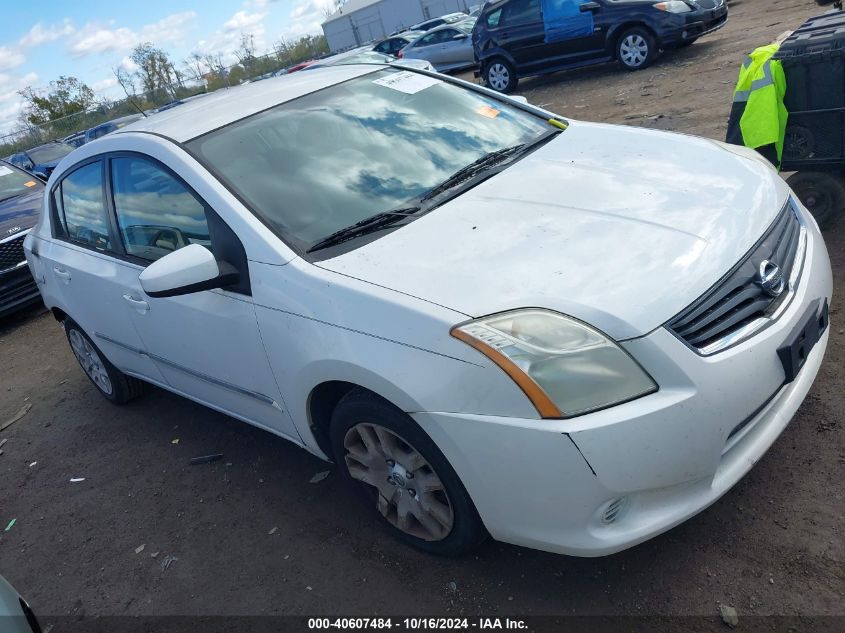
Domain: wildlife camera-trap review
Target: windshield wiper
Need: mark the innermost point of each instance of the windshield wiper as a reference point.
(367, 225)
(393, 217)
(486, 162)
(14, 195)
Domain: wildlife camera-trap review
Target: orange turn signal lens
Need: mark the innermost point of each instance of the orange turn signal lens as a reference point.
(545, 407)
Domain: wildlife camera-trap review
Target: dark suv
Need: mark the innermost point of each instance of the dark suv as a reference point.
(518, 38)
(21, 198)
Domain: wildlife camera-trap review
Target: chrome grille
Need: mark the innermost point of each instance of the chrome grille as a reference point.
(11, 253)
(728, 312)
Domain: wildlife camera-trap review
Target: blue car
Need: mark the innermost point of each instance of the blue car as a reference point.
(110, 126)
(41, 160)
(21, 197)
(520, 38)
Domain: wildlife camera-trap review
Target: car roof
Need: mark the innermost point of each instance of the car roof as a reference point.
(227, 105)
(443, 27)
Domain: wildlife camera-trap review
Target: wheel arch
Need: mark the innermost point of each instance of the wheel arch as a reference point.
(325, 394)
(493, 54)
(59, 314)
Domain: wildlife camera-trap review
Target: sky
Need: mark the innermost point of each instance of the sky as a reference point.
(40, 41)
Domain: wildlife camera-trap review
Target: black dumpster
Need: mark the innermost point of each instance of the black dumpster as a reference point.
(813, 59)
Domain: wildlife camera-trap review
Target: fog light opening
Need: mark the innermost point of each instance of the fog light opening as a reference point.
(613, 510)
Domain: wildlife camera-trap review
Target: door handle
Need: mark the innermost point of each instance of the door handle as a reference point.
(139, 304)
(62, 274)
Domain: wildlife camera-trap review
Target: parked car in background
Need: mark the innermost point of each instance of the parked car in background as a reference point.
(43, 159)
(443, 290)
(295, 68)
(75, 140)
(519, 38)
(447, 47)
(392, 45)
(366, 55)
(178, 102)
(101, 130)
(427, 25)
(21, 199)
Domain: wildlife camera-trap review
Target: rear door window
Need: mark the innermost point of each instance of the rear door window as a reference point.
(519, 12)
(428, 40)
(82, 209)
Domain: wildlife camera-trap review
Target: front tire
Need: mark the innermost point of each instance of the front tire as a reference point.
(500, 75)
(112, 383)
(821, 192)
(636, 48)
(399, 471)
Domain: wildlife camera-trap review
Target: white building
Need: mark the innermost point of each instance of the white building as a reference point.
(358, 22)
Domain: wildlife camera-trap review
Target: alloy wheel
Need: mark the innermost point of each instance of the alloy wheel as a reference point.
(498, 76)
(633, 50)
(90, 361)
(408, 491)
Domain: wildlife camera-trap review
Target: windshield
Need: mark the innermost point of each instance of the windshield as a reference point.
(49, 153)
(325, 161)
(14, 182)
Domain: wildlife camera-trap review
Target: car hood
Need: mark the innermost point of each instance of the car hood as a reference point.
(21, 213)
(617, 226)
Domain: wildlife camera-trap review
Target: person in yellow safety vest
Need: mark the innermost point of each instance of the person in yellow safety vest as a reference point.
(758, 116)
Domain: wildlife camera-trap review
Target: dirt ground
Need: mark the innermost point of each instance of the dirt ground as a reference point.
(773, 545)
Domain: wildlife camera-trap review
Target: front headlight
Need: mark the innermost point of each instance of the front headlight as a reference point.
(673, 6)
(565, 367)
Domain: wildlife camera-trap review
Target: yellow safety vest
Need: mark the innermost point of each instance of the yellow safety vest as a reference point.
(761, 88)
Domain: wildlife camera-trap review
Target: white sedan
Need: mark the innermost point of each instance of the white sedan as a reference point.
(566, 335)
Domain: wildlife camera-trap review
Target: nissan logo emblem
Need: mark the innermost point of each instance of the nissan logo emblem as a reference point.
(771, 278)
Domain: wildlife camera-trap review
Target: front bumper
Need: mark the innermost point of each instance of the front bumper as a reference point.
(690, 26)
(17, 289)
(548, 484)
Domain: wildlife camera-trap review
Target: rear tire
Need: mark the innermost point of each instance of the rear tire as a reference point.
(500, 75)
(399, 472)
(823, 193)
(113, 384)
(636, 48)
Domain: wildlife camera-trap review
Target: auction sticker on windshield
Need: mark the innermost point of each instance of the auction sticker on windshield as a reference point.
(407, 82)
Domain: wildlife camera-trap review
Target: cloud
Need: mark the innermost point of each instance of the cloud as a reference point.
(39, 34)
(306, 18)
(104, 84)
(243, 20)
(95, 38)
(228, 38)
(11, 103)
(169, 29)
(10, 59)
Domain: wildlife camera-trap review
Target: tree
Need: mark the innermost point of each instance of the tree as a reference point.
(67, 95)
(246, 52)
(124, 79)
(329, 8)
(155, 70)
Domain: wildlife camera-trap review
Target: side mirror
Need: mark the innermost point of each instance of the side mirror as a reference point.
(460, 36)
(589, 7)
(185, 271)
(43, 175)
